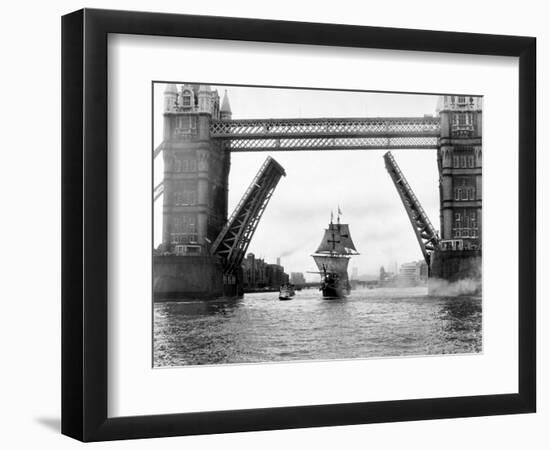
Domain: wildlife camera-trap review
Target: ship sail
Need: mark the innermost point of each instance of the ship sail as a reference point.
(337, 240)
(334, 264)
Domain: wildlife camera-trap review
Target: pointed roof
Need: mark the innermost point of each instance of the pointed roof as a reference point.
(171, 88)
(226, 107)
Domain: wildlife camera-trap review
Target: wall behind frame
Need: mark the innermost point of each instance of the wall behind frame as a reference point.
(30, 333)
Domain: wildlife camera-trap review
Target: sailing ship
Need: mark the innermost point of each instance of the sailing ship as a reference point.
(332, 259)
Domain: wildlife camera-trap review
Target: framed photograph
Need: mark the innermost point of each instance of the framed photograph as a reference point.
(266, 224)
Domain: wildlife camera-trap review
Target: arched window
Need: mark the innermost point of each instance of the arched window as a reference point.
(186, 98)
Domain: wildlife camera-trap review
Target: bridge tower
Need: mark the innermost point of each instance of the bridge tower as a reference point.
(460, 162)
(459, 159)
(195, 170)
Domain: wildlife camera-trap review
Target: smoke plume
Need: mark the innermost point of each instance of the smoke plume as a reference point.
(444, 288)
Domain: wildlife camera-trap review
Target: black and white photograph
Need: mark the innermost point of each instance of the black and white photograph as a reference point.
(314, 224)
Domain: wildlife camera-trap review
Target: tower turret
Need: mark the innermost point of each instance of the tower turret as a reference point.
(205, 95)
(170, 97)
(225, 111)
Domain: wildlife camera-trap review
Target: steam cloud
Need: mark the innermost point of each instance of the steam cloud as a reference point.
(466, 286)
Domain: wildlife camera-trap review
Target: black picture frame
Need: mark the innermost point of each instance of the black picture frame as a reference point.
(84, 224)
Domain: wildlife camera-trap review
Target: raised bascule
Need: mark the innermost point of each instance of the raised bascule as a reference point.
(202, 248)
(423, 228)
(232, 242)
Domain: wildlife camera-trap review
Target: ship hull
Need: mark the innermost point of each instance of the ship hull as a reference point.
(334, 292)
(333, 287)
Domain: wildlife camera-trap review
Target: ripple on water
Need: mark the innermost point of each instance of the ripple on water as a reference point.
(369, 323)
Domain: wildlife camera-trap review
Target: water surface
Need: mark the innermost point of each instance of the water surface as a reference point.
(368, 323)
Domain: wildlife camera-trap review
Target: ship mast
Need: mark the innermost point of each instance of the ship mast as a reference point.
(333, 241)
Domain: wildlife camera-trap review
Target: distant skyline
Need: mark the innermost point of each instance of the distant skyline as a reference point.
(319, 182)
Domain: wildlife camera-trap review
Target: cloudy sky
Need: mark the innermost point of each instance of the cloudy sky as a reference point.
(318, 182)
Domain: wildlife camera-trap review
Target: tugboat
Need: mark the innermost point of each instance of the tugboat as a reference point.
(332, 259)
(286, 292)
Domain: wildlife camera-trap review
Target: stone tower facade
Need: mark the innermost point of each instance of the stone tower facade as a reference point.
(460, 166)
(196, 170)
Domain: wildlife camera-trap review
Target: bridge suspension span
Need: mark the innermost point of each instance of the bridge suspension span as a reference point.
(375, 133)
(327, 133)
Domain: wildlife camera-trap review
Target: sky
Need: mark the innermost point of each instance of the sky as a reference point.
(318, 182)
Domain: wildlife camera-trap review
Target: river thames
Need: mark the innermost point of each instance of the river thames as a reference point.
(370, 323)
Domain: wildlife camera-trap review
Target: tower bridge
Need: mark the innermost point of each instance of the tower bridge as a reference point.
(202, 247)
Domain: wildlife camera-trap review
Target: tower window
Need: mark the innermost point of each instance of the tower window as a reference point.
(184, 229)
(186, 124)
(186, 99)
(463, 119)
(185, 165)
(462, 122)
(463, 157)
(185, 193)
(185, 198)
(464, 188)
(465, 224)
